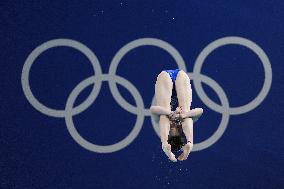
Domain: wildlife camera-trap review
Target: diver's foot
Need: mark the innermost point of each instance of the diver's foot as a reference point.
(186, 150)
(167, 149)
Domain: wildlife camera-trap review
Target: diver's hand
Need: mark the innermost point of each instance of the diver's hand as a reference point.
(167, 149)
(178, 110)
(186, 150)
(173, 115)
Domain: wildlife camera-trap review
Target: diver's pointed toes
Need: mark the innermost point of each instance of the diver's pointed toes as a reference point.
(181, 157)
(173, 159)
(186, 150)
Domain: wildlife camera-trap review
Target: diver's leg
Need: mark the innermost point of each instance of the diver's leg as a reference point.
(163, 93)
(184, 95)
(184, 92)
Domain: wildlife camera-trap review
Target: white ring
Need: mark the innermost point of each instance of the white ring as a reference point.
(130, 46)
(99, 148)
(238, 41)
(37, 52)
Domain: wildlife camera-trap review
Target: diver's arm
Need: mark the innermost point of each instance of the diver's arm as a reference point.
(196, 112)
(159, 110)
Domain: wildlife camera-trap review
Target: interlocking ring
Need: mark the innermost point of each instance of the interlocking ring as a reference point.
(69, 116)
(130, 46)
(36, 53)
(238, 41)
(140, 110)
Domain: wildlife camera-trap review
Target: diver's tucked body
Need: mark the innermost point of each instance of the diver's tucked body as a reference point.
(174, 95)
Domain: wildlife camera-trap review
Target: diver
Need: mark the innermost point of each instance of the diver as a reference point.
(174, 96)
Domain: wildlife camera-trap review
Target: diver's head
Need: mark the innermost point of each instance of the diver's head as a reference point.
(176, 142)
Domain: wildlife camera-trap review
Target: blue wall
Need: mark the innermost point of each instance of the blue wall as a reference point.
(37, 149)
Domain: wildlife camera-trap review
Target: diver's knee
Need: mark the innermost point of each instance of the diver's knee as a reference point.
(163, 77)
(182, 75)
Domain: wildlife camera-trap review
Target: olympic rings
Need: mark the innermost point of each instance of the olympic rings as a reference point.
(140, 110)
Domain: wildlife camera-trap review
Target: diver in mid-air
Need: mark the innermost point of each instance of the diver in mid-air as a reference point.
(174, 96)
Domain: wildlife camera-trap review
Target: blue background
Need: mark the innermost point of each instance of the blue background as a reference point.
(38, 152)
